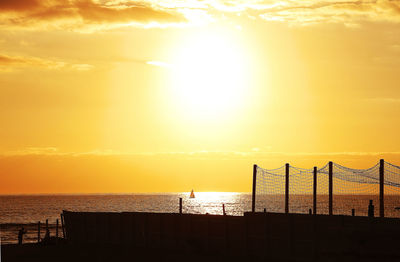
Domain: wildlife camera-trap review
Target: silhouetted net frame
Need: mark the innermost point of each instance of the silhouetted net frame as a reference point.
(392, 189)
(352, 189)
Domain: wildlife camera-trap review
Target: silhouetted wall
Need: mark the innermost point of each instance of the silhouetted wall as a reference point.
(259, 234)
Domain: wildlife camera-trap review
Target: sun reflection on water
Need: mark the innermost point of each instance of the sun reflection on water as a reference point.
(211, 203)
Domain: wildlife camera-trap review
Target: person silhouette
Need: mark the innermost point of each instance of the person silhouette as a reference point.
(46, 239)
(371, 209)
(47, 235)
(21, 234)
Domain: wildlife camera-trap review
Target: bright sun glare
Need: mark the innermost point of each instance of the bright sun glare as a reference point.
(209, 76)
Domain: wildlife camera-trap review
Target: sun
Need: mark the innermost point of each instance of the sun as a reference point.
(209, 76)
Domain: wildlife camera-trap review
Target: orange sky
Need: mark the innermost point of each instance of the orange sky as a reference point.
(166, 96)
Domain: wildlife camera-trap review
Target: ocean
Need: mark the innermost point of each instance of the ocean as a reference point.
(26, 210)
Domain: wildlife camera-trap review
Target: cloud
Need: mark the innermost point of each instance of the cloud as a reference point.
(18, 5)
(158, 63)
(34, 151)
(350, 13)
(11, 63)
(94, 15)
(253, 153)
(82, 15)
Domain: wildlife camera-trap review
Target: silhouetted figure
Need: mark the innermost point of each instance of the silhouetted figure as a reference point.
(371, 209)
(46, 239)
(21, 234)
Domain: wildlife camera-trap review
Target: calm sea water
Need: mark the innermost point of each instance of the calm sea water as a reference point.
(17, 211)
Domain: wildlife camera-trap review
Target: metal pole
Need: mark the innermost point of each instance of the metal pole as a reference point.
(57, 227)
(287, 189)
(330, 188)
(62, 224)
(57, 231)
(180, 205)
(253, 198)
(315, 192)
(381, 188)
(38, 233)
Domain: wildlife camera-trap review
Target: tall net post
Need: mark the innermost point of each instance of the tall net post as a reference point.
(330, 188)
(253, 199)
(287, 188)
(315, 191)
(392, 190)
(381, 188)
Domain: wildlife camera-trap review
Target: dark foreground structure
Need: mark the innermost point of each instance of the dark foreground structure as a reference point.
(256, 236)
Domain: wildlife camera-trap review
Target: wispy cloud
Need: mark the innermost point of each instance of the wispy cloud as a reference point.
(91, 15)
(254, 153)
(10, 63)
(83, 15)
(350, 13)
(158, 63)
(33, 151)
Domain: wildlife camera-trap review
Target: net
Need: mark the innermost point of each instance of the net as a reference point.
(300, 189)
(352, 189)
(270, 189)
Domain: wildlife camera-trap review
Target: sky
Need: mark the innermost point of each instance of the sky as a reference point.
(166, 96)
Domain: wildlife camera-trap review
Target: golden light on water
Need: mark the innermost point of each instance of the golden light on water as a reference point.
(211, 203)
(214, 196)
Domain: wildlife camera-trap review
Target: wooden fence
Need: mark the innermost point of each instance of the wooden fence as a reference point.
(299, 236)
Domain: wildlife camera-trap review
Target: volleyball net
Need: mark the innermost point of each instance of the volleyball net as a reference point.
(331, 189)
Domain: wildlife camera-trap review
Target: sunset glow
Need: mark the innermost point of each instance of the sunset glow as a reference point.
(210, 77)
(166, 96)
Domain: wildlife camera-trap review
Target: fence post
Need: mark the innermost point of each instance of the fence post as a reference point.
(57, 227)
(56, 230)
(62, 224)
(330, 187)
(253, 198)
(287, 188)
(38, 233)
(180, 205)
(381, 188)
(315, 192)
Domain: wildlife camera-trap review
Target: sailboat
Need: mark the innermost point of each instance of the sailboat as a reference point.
(192, 194)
